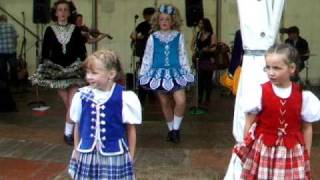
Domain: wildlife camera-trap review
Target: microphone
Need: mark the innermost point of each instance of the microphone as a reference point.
(136, 16)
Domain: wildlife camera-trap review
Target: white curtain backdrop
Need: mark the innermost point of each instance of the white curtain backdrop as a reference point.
(259, 24)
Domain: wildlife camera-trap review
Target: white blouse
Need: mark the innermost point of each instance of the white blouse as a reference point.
(131, 111)
(310, 103)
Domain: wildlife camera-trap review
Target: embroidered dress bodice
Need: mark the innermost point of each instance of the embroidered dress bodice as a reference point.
(63, 34)
(165, 65)
(166, 51)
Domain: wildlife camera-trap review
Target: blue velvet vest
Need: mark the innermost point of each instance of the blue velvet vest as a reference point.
(166, 55)
(102, 123)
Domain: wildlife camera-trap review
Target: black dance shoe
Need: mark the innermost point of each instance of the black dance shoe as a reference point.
(169, 136)
(175, 136)
(68, 139)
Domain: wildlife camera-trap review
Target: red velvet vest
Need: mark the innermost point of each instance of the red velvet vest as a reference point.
(280, 120)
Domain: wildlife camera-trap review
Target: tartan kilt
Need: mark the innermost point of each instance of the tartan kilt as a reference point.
(273, 162)
(94, 165)
(53, 75)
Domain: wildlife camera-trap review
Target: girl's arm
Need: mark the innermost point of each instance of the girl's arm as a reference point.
(250, 119)
(307, 134)
(132, 139)
(75, 153)
(183, 58)
(75, 114)
(76, 136)
(147, 57)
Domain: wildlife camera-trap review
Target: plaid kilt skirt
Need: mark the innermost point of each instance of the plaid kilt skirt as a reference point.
(53, 75)
(95, 166)
(272, 162)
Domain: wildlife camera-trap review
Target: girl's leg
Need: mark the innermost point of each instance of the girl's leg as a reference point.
(179, 109)
(63, 93)
(71, 91)
(67, 95)
(180, 102)
(166, 107)
(64, 96)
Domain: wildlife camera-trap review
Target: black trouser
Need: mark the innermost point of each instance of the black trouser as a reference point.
(10, 59)
(7, 104)
(204, 84)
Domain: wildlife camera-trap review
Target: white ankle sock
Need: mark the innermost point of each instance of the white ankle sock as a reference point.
(68, 129)
(170, 125)
(176, 122)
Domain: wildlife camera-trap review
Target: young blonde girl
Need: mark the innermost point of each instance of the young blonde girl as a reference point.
(165, 67)
(278, 125)
(105, 116)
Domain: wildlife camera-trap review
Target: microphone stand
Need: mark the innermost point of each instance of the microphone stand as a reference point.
(133, 62)
(37, 104)
(196, 109)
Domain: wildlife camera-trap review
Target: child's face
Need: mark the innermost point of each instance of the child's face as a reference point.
(278, 71)
(62, 12)
(99, 77)
(165, 22)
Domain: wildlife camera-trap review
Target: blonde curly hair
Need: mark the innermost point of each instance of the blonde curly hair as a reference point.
(109, 59)
(175, 18)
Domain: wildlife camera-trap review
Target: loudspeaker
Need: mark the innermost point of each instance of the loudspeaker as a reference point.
(194, 12)
(41, 11)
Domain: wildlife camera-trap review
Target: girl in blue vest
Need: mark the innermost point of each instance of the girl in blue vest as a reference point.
(279, 117)
(105, 116)
(165, 68)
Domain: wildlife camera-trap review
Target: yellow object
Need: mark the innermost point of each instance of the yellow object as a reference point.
(231, 82)
(226, 81)
(236, 77)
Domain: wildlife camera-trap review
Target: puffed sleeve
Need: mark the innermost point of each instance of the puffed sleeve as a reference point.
(183, 58)
(310, 107)
(252, 100)
(147, 59)
(131, 112)
(76, 108)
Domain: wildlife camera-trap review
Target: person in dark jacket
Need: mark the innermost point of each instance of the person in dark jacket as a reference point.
(299, 43)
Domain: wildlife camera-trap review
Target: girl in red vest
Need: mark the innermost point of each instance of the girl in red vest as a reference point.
(278, 125)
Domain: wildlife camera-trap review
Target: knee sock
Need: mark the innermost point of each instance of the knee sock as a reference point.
(170, 125)
(177, 122)
(68, 129)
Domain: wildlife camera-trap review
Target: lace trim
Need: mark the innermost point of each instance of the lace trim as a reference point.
(168, 76)
(166, 36)
(63, 34)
